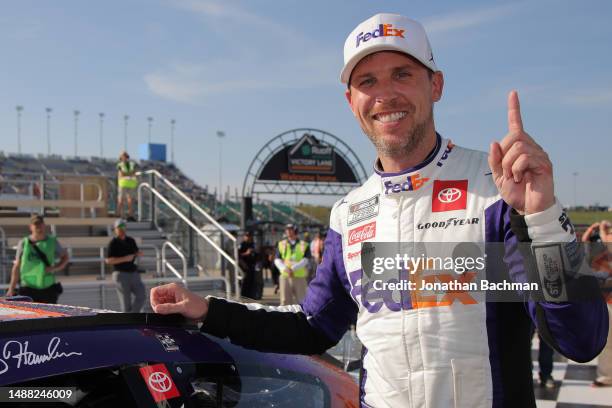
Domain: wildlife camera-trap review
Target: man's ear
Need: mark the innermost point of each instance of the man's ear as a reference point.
(349, 99)
(437, 85)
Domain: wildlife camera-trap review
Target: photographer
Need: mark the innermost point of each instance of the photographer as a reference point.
(599, 237)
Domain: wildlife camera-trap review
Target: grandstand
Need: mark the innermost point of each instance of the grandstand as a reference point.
(184, 230)
(21, 168)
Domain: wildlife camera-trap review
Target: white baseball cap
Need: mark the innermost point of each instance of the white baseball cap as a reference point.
(386, 32)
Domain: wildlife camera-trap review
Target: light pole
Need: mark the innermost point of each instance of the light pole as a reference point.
(150, 119)
(76, 132)
(125, 122)
(172, 123)
(101, 114)
(19, 109)
(220, 135)
(575, 174)
(48, 110)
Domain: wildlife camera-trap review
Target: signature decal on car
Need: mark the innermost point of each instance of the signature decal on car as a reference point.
(18, 352)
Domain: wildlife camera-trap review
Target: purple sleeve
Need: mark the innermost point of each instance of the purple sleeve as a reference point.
(328, 305)
(313, 327)
(578, 330)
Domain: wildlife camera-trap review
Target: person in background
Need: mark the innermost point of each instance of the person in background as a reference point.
(270, 256)
(292, 257)
(127, 184)
(545, 362)
(38, 257)
(316, 247)
(316, 250)
(122, 252)
(599, 237)
(248, 258)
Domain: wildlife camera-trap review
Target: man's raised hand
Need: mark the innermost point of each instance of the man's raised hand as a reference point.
(520, 168)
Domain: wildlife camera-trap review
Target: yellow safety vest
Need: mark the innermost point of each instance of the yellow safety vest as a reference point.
(291, 257)
(32, 270)
(128, 167)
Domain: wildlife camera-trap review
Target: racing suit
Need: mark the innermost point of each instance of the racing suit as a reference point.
(460, 355)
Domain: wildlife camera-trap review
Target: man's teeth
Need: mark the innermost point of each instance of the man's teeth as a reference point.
(390, 117)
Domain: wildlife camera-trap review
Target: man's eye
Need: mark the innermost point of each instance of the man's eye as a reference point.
(367, 82)
(403, 74)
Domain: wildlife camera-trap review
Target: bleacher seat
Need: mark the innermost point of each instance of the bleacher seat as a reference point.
(52, 166)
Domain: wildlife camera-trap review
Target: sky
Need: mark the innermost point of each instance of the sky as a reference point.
(254, 69)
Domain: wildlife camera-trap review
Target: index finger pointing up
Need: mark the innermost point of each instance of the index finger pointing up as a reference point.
(515, 123)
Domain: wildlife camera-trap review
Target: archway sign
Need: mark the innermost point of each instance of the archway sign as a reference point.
(304, 161)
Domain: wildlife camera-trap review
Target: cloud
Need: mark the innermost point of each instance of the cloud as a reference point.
(291, 61)
(219, 14)
(591, 97)
(216, 9)
(445, 23)
(191, 82)
(175, 88)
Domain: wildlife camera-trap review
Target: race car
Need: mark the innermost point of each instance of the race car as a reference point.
(100, 358)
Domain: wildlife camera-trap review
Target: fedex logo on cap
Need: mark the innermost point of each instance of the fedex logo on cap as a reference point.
(412, 183)
(383, 30)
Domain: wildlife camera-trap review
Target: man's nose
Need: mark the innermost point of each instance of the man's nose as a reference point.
(386, 92)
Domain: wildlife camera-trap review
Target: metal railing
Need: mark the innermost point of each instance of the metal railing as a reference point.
(166, 264)
(43, 184)
(234, 261)
(101, 258)
(4, 261)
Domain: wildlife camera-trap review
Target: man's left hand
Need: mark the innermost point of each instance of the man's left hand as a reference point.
(521, 169)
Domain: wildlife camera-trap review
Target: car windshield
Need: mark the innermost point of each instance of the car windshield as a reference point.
(196, 384)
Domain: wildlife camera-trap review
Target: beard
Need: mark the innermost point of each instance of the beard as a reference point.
(412, 140)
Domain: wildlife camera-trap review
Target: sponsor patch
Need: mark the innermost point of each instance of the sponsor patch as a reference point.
(363, 210)
(159, 382)
(353, 255)
(167, 342)
(549, 261)
(362, 233)
(566, 224)
(412, 183)
(449, 195)
(450, 222)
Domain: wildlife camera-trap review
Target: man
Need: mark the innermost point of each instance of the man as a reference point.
(291, 259)
(248, 258)
(122, 252)
(599, 238)
(420, 355)
(127, 184)
(37, 259)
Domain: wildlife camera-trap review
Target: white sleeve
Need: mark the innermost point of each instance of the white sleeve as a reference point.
(301, 264)
(280, 264)
(550, 225)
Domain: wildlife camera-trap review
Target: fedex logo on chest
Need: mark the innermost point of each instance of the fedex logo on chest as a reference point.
(412, 183)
